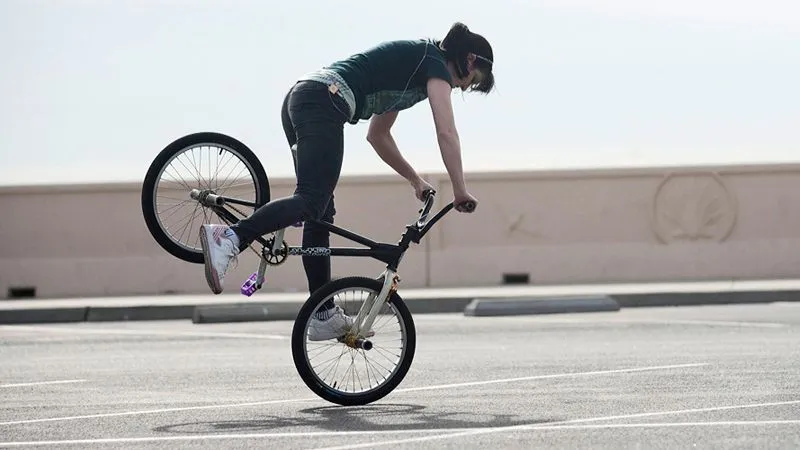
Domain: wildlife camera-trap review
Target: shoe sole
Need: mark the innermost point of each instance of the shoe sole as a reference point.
(212, 277)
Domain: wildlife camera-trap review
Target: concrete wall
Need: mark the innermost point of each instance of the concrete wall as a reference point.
(583, 226)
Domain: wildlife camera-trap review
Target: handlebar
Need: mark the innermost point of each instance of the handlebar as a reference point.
(429, 196)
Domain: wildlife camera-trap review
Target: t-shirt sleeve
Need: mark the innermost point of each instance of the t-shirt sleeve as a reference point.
(436, 67)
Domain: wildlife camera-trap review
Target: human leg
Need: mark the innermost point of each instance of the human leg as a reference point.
(318, 125)
(318, 268)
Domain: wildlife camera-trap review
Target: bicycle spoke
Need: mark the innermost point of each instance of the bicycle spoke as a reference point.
(353, 370)
(195, 167)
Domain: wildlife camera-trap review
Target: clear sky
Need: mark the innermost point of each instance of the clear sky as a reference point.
(91, 90)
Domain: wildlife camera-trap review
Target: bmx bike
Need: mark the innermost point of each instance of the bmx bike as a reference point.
(383, 335)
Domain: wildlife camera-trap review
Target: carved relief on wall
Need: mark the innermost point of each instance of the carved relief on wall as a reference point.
(693, 207)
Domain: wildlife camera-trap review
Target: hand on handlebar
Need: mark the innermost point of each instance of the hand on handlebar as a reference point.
(464, 202)
(420, 186)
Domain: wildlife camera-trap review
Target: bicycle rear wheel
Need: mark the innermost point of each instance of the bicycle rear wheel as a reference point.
(207, 161)
(346, 375)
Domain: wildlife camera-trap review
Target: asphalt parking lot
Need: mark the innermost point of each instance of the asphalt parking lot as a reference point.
(723, 376)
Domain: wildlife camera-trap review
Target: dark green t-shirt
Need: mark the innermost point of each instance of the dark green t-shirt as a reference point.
(392, 76)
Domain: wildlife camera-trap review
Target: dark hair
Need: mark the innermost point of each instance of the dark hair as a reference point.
(459, 42)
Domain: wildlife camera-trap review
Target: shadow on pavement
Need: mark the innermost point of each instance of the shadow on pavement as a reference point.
(377, 417)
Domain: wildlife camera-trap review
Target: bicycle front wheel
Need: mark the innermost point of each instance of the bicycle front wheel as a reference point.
(350, 375)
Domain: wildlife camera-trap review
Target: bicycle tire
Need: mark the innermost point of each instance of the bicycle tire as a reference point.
(299, 349)
(148, 195)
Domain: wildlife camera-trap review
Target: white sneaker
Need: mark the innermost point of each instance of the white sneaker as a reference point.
(336, 325)
(218, 252)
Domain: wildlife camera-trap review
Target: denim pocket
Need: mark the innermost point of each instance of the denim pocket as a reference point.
(311, 100)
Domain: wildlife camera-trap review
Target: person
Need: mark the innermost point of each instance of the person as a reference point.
(375, 84)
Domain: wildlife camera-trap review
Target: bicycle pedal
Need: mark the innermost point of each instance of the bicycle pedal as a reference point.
(250, 286)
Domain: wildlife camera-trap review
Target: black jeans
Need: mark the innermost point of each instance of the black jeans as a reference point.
(313, 119)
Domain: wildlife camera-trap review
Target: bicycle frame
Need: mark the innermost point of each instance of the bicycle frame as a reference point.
(391, 254)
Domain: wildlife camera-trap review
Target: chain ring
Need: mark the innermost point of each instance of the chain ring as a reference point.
(275, 260)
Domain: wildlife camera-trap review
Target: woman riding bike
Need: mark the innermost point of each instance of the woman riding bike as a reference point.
(376, 85)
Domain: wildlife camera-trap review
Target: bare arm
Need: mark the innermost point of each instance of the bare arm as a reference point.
(380, 137)
(439, 92)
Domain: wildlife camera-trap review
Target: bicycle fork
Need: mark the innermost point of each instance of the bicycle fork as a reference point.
(373, 304)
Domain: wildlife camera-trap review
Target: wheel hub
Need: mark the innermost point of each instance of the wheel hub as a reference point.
(202, 197)
(355, 341)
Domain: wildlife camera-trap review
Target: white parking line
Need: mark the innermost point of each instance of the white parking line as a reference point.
(608, 320)
(330, 434)
(558, 375)
(273, 402)
(158, 411)
(40, 383)
(224, 437)
(142, 332)
(716, 323)
(668, 424)
(538, 426)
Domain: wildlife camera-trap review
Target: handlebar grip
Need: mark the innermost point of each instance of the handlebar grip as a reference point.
(468, 206)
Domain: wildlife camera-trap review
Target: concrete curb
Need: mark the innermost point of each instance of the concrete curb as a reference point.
(144, 312)
(704, 298)
(205, 310)
(43, 315)
(540, 305)
(434, 305)
(245, 312)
